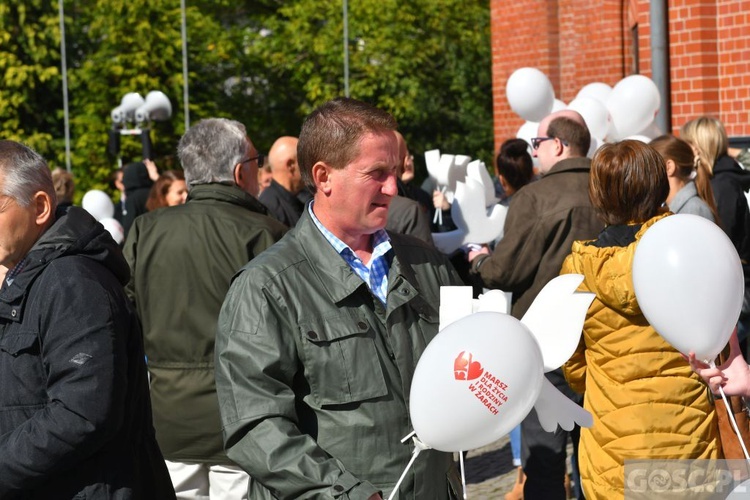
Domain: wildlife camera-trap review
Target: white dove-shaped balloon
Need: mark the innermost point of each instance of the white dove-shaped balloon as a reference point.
(474, 222)
(484, 371)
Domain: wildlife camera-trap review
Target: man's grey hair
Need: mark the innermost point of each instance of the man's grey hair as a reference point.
(24, 172)
(211, 149)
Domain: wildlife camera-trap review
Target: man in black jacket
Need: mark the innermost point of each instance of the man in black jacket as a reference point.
(280, 197)
(75, 419)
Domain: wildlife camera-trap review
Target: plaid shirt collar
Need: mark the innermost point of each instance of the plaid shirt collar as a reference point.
(12, 273)
(375, 273)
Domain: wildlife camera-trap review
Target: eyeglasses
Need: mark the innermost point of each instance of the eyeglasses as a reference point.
(536, 141)
(261, 160)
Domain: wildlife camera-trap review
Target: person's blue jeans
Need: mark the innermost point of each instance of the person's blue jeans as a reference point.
(515, 445)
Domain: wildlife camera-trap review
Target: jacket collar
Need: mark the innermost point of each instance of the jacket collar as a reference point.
(331, 269)
(578, 164)
(228, 193)
(74, 232)
(687, 192)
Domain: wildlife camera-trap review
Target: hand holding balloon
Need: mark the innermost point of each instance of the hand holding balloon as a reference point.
(733, 376)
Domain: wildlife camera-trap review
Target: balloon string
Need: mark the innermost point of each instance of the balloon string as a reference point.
(463, 473)
(438, 217)
(731, 418)
(418, 447)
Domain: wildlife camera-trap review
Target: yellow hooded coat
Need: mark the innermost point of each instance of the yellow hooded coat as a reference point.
(646, 402)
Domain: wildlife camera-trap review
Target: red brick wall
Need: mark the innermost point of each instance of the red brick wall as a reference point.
(575, 42)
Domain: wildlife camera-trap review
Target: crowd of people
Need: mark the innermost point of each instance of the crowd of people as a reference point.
(257, 333)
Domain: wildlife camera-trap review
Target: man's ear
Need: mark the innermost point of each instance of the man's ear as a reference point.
(238, 174)
(321, 176)
(43, 204)
(559, 147)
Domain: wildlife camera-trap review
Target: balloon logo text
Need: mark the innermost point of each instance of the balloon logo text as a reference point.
(488, 389)
(466, 369)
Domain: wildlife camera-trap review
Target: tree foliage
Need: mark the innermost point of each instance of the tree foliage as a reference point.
(266, 63)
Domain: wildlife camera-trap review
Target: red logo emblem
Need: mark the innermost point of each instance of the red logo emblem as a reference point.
(466, 369)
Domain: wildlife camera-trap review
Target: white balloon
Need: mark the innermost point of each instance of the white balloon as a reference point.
(652, 131)
(689, 283)
(114, 228)
(637, 137)
(594, 113)
(527, 131)
(558, 105)
(597, 90)
(530, 94)
(98, 204)
(470, 386)
(632, 105)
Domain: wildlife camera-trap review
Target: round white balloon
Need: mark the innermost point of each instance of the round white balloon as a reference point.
(632, 105)
(594, 113)
(98, 204)
(527, 131)
(476, 380)
(689, 283)
(597, 90)
(114, 228)
(530, 94)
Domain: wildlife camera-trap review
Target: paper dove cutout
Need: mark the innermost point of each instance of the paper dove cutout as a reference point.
(477, 170)
(548, 408)
(555, 320)
(447, 170)
(474, 224)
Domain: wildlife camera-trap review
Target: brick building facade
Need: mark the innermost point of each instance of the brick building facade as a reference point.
(576, 42)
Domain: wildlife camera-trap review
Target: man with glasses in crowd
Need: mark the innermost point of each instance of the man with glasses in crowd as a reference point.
(182, 260)
(543, 220)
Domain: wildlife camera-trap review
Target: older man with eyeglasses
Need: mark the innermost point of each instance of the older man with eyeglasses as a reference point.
(543, 221)
(182, 260)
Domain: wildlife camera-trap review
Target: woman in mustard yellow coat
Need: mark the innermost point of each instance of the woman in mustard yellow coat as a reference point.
(646, 401)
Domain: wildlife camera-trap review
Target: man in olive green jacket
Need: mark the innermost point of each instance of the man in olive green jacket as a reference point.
(182, 260)
(320, 335)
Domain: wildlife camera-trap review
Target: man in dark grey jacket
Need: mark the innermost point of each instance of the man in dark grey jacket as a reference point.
(544, 219)
(320, 335)
(75, 419)
(182, 260)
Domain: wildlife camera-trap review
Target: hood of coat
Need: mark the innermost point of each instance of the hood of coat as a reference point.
(608, 270)
(726, 165)
(76, 232)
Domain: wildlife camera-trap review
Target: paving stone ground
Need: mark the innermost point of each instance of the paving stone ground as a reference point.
(490, 473)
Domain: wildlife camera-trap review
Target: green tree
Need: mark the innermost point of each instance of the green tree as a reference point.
(265, 63)
(425, 61)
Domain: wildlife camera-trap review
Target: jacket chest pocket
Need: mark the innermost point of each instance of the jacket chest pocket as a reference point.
(21, 368)
(341, 360)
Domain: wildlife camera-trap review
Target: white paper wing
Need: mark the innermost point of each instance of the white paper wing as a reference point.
(444, 171)
(449, 241)
(553, 408)
(455, 303)
(556, 318)
(432, 161)
(469, 213)
(493, 301)
(477, 170)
